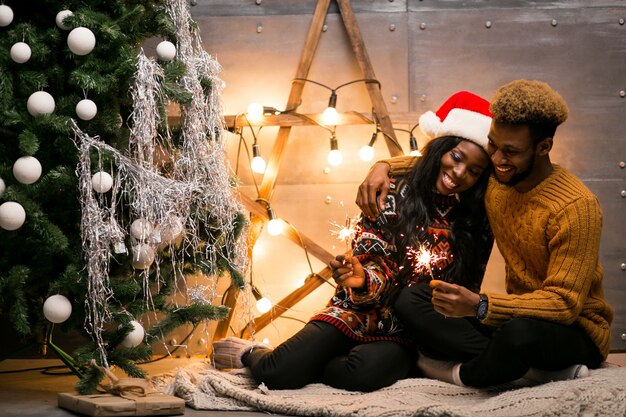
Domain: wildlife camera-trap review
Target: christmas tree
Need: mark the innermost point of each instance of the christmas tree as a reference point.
(105, 209)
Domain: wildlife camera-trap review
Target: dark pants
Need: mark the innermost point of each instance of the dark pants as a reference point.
(491, 355)
(321, 353)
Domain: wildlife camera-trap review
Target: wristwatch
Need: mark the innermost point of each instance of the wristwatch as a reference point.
(482, 307)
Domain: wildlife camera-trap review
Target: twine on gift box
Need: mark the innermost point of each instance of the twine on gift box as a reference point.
(129, 388)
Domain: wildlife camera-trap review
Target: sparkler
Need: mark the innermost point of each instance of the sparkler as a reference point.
(347, 231)
(423, 259)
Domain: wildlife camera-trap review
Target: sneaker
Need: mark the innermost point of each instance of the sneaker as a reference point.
(571, 372)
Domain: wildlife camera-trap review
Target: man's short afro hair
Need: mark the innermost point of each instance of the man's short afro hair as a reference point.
(528, 102)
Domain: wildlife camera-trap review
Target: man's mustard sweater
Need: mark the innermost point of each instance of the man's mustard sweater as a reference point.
(549, 238)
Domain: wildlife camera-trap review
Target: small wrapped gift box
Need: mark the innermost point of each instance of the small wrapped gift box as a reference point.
(152, 404)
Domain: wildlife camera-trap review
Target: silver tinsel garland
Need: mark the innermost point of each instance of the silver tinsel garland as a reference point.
(196, 192)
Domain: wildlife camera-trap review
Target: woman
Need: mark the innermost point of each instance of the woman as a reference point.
(357, 342)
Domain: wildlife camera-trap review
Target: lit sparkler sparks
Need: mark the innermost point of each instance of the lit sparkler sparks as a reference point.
(423, 259)
(347, 231)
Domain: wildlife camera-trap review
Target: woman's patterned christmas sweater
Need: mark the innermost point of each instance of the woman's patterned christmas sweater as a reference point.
(366, 314)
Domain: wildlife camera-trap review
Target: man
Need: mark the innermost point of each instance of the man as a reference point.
(553, 322)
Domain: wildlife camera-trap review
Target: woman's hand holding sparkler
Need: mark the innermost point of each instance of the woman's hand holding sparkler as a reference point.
(347, 271)
(453, 300)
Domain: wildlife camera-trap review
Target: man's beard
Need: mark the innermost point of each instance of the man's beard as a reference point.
(521, 176)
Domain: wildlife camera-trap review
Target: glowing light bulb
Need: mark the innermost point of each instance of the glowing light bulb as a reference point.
(366, 153)
(263, 305)
(274, 227)
(255, 111)
(258, 165)
(330, 116)
(413, 145)
(335, 157)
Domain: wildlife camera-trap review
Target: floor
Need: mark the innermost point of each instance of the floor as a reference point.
(33, 393)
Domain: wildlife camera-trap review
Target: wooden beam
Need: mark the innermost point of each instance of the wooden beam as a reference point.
(298, 119)
(306, 59)
(310, 284)
(300, 239)
(271, 171)
(378, 103)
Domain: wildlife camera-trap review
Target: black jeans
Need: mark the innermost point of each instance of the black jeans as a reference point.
(322, 353)
(491, 355)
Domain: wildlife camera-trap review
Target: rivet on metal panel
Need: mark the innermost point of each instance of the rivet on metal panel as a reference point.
(324, 27)
(623, 336)
(328, 199)
(554, 22)
(423, 97)
(392, 27)
(422, 26)
(394, 99)
(621, 21)
(622, 164)
(488, 24)
(623, 266)
(258, 2)
(622, 93)
(173, 342)
(623, 193)
(201, 341)
(259, 28)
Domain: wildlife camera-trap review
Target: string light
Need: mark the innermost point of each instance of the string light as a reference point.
(274, 225)
(413, 143)
(330, 116)
(334, 156)
(263, 304)
(255, 111)
(366, 153)
(257, 164)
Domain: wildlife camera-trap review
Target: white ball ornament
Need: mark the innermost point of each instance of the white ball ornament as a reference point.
(20, 52)
(59, 19)
(101, 182)
(166, 51)
(135, 337)
(143, 256)
(2, 187)
(27, 169)
(57, 308)
(141, 229)
(81, 41)
(171, 230)
(6, 15)
(12, 215)
(86, 109)
(40, 103)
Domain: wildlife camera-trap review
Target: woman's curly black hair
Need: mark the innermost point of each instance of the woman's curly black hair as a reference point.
(416, 209)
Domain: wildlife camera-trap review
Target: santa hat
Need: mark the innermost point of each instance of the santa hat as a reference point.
(464, 114)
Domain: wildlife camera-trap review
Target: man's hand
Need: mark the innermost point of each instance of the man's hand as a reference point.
(453, 300)
(377, 180)
(347, 271)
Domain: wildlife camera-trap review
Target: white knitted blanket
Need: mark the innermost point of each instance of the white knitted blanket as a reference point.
(603, 393)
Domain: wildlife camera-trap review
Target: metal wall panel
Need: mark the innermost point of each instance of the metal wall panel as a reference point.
(421, 51)
(202, 8)
(580, 52)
